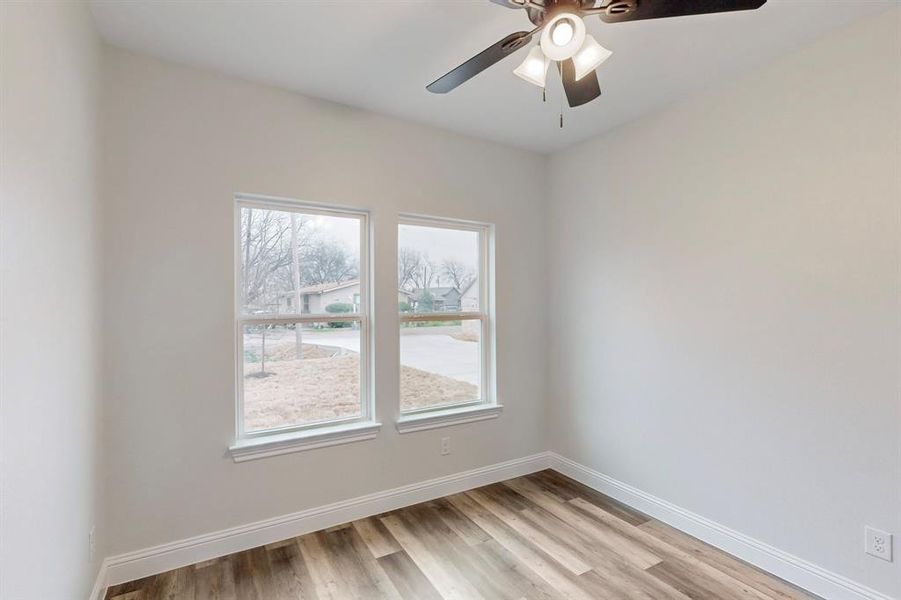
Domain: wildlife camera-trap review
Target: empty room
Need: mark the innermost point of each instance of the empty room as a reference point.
(450, 299)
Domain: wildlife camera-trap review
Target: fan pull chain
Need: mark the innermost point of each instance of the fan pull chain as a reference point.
(544, 94)
(561, 113)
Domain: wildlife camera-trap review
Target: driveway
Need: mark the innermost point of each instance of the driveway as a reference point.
(430, 349)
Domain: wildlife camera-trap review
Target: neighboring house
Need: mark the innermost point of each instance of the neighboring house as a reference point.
(469, 300)
(315, 298)
(404, 297)
(443, 299)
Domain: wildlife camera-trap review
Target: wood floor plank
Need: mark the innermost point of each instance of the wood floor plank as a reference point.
(764, 582)
(361, 575)
(614, 507)
(252, 575)
(542, 479)
(135, 595)
(538, 537)
(491, 584)
(534, 558)
(214, 580)
(611, 574)
(524, 579)
(727, 587)
(377, 538)
(445, 577)
(291, 576)
(593, 533)
(163, 586)
(407, 578)
(689, 583)
(129, 587)
(560, 552)
(322, 572)
(471, 533)
(618, 576)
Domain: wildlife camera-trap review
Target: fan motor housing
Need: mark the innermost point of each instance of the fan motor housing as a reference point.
(552, 7)
(613, 8)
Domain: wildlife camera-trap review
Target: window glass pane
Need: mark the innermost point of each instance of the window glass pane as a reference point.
(294, 262)
(440, 363)
(437, 269)
(300, 374)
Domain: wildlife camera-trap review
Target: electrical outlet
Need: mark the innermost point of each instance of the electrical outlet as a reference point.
(445, 446)
(879, 544)
(92, 548)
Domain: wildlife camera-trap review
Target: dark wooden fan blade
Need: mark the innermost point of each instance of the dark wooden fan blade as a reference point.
(637, 10)
(582, 91)
(480, 62)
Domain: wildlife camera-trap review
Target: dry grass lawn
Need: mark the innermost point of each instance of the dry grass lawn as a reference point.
(322, 387)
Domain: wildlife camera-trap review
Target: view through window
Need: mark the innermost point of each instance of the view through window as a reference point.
(302, 322)
(443, 314)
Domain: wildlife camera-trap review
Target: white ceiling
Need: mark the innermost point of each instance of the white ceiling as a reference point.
(380, 54)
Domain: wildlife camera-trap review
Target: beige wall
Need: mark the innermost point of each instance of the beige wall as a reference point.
(50, 485)
(741, 253)
(181, 143)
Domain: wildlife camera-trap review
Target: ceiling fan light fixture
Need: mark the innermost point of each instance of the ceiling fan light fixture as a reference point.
(589, 57)
(534, 68)
(562, 32)
(562, 36)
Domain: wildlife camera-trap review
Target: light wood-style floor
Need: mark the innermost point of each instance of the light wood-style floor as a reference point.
(541, 536)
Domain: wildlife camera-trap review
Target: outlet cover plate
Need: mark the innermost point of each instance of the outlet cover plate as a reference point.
(879, 543)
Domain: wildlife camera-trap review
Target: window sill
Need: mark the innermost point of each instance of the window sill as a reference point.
(447, 417)
(298, 441)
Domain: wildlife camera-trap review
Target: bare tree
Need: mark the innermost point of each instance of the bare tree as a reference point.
(408, 263)
(268, 241)
(460, 275)
(425, 274)
(266, 253)
(326, 261)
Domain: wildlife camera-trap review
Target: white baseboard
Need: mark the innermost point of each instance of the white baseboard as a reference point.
(99, 590)
(150, 561)
(796, 570)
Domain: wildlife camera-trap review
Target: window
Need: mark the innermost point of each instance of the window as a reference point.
(302, 377)
(444, 277)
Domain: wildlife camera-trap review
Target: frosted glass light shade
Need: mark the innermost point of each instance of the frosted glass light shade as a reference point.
(534, 68)
(589, 57)
(550, 36)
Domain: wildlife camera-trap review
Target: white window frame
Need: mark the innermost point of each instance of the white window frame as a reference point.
(487, 406)
(295, 438)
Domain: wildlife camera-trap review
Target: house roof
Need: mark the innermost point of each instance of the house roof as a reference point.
(322, 288)
(440, 292)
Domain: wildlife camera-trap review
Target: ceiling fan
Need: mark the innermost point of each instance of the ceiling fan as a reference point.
(564, 40)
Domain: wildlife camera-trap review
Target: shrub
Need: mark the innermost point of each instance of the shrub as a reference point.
(426, 302)
(338, 308)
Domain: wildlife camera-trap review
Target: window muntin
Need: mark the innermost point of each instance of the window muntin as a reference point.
(443, 270)
(302, 369)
